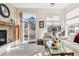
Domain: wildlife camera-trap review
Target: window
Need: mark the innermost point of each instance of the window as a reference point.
(52, 21)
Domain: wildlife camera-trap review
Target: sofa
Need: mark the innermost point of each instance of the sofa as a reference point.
(69, 42)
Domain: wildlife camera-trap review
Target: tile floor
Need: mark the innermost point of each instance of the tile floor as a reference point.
(32, 49)
(26, 50)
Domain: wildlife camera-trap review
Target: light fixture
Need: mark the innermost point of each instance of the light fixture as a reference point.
(52, 4)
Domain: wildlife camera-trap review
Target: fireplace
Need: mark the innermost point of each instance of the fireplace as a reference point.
(3, 37)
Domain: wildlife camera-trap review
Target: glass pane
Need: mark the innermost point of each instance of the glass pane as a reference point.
(28, 17)
(26, 31)
(31, 30)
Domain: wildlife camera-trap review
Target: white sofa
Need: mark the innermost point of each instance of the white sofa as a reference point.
(69, 42)
(72, 45)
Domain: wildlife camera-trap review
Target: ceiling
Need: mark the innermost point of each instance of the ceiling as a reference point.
(42, 5)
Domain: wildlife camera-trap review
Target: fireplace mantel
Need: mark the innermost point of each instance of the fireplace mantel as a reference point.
(6, 23)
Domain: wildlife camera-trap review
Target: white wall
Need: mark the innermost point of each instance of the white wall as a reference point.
(72, 17)
(40, 31)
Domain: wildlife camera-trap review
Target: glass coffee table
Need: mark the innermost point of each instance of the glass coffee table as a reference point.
(58, 52)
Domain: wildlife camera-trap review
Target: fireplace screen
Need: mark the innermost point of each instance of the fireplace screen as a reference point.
(3, 37)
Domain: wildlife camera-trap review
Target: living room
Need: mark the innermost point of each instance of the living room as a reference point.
(35, 22)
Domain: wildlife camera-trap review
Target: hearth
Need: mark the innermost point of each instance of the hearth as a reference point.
(3, 37)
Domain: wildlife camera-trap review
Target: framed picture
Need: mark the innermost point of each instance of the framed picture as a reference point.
(41, 24)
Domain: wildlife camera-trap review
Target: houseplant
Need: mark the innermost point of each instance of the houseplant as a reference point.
(57, 44)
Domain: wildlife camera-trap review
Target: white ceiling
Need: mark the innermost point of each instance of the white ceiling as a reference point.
(41, 5)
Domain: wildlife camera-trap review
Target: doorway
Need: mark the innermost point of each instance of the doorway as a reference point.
(29, 25)
(32, 28)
